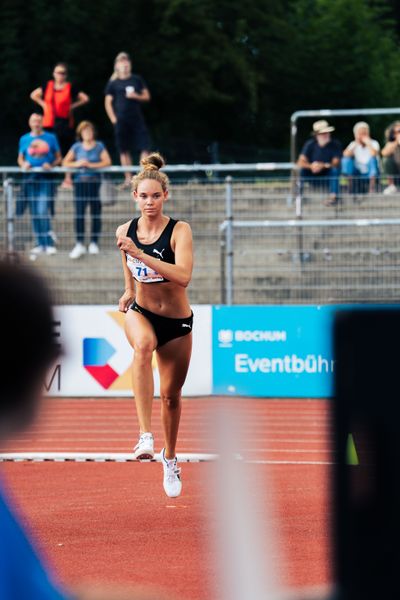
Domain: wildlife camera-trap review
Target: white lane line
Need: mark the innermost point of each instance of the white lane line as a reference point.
(290, 450)
(258, 432)
(263, 437)
(125, 457)
(90, 414)
(321, 441)
(95, 457)
(291, 462)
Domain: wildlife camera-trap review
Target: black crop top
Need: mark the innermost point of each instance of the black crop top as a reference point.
(160, 249)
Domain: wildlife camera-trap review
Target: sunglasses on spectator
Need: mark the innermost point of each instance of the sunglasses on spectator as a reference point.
(60, 72)
(396, 130)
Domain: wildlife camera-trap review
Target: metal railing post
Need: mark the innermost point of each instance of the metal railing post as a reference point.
(9, 202)
(293, 195)
(229, 241)
(222, 256)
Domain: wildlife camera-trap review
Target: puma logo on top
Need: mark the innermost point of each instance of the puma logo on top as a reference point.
(186, 325)
(159, 253)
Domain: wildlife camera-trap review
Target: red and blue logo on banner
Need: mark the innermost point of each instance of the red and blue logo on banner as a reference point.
(96, 354)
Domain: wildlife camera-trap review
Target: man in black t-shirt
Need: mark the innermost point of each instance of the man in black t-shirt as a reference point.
(124, 94)
(319, 161)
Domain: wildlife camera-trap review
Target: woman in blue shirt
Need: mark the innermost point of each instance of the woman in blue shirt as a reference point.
(87, 155)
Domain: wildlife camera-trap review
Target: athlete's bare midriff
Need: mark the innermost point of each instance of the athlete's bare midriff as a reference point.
(166, 299)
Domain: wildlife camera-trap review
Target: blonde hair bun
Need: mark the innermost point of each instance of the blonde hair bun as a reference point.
(152, 162)
(151, 166)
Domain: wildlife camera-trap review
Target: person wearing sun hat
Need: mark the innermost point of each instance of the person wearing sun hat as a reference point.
(319, 161)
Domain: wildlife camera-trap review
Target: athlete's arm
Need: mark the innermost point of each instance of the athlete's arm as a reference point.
(179, 273)
(129, 294)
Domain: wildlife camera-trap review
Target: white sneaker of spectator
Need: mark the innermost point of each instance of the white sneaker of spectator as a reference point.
(34, 252)
(391, 189)
(93, 248)
(77, 251)
(50, 250)
(37, 250)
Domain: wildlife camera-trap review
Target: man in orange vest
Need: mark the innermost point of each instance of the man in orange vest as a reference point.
(58, 98)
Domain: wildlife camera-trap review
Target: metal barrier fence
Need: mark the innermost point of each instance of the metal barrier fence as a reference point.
(316, 255)
(314, 261)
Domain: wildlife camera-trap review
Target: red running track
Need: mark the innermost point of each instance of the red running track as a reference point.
(111, 522)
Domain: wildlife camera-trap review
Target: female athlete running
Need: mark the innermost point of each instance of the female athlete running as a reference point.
(157, 259)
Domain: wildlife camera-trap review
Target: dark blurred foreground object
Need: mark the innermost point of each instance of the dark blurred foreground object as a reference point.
(366, 474)
(29, 348)
(29, 344)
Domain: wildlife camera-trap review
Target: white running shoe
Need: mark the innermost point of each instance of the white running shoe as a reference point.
(144, 449)
(50, 250)
(172, 476)
(77, 251)
(93, 248)
(389, 190)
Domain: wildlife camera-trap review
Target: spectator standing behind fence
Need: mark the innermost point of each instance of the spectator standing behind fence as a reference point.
(58, 99)
(124, 94)
(391, 157)
(39, 148)
(319, 161)
(360, 160)
(87, 155)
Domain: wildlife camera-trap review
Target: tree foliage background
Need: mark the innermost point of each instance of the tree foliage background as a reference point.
(230, 71)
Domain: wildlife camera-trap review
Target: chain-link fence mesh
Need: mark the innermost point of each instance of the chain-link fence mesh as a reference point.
(324, 262)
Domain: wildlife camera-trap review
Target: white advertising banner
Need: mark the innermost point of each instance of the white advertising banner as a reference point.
(97, 358)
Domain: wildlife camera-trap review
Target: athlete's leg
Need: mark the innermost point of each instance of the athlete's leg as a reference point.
(141, 336)
(173, 362)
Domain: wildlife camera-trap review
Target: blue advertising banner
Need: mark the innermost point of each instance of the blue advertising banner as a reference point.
(273, 351)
